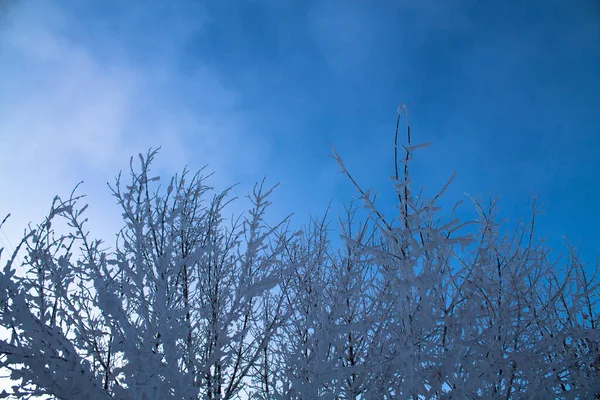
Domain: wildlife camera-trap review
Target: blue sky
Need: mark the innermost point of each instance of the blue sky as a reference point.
(508, 92)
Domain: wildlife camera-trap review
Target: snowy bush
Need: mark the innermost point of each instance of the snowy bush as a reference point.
(191, 305)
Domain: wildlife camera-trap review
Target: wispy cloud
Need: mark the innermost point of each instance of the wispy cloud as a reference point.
(76, 103)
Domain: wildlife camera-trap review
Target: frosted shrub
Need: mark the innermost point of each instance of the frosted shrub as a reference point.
(192, 305)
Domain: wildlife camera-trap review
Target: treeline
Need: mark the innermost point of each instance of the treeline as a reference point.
(192, 305)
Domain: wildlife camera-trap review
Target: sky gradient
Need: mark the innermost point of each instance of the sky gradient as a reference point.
(508, 92)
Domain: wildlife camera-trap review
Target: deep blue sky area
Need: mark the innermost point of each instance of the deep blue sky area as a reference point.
(507, 91)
